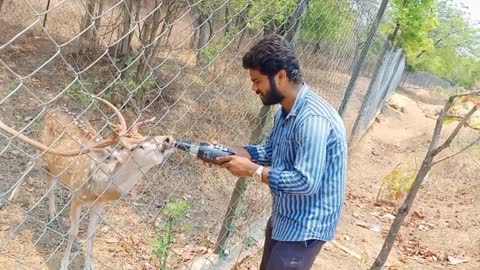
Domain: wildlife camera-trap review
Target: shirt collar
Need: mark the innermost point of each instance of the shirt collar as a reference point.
(299, 100)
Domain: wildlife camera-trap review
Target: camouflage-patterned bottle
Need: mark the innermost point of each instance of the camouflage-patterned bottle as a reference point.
(205, 151)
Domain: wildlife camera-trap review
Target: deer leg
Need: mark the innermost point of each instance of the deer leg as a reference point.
(95, 213)
(52, 209)
(75, 211)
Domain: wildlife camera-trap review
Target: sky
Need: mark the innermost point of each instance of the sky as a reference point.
(473, 8)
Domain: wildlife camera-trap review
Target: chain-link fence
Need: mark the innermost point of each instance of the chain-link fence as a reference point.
(178, 61)
(421, 79)
(385, 79)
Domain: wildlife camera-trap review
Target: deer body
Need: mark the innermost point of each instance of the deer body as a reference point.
(100, 175)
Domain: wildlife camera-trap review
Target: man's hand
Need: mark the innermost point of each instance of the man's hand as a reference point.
(238, 165)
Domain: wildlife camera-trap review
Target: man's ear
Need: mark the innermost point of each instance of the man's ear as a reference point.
(282, 78)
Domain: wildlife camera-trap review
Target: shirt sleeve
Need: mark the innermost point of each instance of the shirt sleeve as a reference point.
(261, 153)
(310, 160)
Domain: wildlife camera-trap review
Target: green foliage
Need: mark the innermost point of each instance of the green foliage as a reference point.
(447, 63)
(75, 89)
(174, 214)
(271, 14)
(415, 20)
(331, 20)
(100, 85)
(437, 38)
(398, 182)
(10, 87)
(210, 51)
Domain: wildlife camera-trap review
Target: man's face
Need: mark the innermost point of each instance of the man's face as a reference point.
(265, 87)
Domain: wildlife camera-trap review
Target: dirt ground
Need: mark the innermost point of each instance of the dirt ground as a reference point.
(442, 231)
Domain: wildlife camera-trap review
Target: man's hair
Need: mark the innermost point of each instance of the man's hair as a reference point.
(272, 54)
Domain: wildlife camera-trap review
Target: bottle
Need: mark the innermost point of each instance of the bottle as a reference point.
(205, 151)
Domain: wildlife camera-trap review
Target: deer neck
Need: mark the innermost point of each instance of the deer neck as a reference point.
(128, 174)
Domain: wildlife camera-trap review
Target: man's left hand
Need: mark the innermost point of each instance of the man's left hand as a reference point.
(237, 165)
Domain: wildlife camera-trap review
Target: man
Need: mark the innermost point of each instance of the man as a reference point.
(303, 160)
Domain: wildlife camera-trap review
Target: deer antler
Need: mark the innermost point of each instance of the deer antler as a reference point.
(121, 119)
(122, 130)
(136, 126)
(54, 151)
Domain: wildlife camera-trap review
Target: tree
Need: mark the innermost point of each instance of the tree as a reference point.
(271, 16)
(94, 9)
(411, 23)
(429, 161)
(328, 20)
(125, 33)
(453, 30)
(455, 52)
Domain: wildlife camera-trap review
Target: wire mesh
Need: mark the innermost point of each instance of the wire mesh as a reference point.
(178, 61)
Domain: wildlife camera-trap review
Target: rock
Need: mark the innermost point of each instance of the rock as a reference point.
(454, 260)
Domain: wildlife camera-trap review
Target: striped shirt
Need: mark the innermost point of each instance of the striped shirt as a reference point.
(307, 152)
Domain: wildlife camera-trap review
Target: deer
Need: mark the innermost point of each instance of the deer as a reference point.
(86, 163)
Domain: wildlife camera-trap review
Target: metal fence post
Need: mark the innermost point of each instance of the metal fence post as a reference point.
(361, 59)
(258, 135)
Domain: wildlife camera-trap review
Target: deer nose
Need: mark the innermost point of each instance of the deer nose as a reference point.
(169, 141)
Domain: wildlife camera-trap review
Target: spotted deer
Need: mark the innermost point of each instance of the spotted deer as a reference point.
(95, 172)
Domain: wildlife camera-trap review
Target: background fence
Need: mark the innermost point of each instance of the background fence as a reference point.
(425, 80)
(181, 62)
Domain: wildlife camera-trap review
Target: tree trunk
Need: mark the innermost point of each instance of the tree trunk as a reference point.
(97, 21)
(149, 39)
(202, 22)
(228, 20)
(295, 19)
(86, 23)
(402, 213)
(123, 48)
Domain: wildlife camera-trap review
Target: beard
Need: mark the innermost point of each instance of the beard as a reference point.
(273, 96)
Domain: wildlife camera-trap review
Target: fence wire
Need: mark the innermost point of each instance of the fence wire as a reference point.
(178, 61)
(421, 79)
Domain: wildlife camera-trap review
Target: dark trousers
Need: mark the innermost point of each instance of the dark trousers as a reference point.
(283, 255)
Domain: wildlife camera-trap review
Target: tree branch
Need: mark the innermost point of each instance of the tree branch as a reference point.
(476, 141)
(470, 93)
(455, 132)
(439, 124)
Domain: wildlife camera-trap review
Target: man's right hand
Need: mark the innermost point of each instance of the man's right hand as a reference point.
(239, 151)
